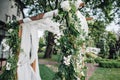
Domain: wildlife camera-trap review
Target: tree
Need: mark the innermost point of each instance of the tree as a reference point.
(42, 6)
(104, 11)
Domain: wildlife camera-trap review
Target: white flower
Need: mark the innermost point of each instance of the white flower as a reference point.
(65, 6)
(10, 30)
(62, 27)
(8, 66)
(78, 78)
(5, 45)
(55, 41)
(58, 43)
(67, 60)
(82, 73)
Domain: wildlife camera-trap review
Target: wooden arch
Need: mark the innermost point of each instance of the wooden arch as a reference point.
(38, 17)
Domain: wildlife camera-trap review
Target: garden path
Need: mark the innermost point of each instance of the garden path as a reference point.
(90, 69)
(90, 66)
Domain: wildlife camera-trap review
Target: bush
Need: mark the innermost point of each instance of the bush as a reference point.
(109, 64)
(97, 60)
(90, 60)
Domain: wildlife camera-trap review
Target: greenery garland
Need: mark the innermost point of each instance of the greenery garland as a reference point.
(72, 65)
(13, 41)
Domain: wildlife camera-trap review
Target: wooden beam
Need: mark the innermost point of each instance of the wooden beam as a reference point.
(39, 16)
(34, 65)
(89, 18)
(82, 4)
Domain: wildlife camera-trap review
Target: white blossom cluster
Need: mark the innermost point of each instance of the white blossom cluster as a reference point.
(10, 30)
(8, 66)
(5, 45)
(67, 60)
(65, 5)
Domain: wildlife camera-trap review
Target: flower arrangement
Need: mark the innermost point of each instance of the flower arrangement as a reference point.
(13, 41)
(72, 45)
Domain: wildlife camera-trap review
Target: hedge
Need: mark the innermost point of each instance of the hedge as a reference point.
(109, 64)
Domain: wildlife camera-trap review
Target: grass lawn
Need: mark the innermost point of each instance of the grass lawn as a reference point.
(46, 73)
(53, 58)
(106, 74)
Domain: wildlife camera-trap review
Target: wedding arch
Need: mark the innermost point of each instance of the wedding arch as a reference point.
(72, 28)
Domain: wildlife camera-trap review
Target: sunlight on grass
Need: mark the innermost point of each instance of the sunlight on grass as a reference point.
(106, 74)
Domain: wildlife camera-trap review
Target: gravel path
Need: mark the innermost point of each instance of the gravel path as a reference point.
(90, 69)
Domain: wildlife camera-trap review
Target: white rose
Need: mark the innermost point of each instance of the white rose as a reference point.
(82, 73)
(55, 41)
(58, 43)
(67, 60)
(65, 6)
(10, 30)
(8, 66)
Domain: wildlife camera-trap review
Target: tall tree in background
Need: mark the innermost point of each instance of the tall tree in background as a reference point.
(104, 12)
(42, 6)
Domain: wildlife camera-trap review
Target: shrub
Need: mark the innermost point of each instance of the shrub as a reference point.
(109, 64)
(90, 60)
(97, 60)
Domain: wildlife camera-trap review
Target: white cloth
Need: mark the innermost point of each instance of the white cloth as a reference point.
(45, 24)
(51, 14)
(83, 22)
(29, 44)
(93, 50)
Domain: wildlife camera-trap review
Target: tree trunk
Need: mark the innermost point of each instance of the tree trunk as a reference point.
(50, 45)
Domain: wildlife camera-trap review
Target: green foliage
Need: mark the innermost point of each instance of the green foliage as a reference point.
(10, 74)
(70, 44)
(97, 60)
(104, 11)
(13, 39)
(107, 40)
(41, 44)
(14, 42)
(89, 60)
(109, 64)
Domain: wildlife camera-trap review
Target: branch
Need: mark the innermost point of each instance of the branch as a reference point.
(50, 4)
(21, 5)
(56, 4)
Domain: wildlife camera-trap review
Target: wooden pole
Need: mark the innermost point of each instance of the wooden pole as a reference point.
(20, 35)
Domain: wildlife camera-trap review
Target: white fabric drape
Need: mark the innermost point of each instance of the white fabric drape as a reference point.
(29, 46)
(83, 22)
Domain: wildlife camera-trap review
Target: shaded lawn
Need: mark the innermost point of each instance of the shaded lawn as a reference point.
(46, 73)
(53, 58)
(106, 74)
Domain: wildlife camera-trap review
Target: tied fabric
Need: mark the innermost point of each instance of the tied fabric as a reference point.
(29, 46)
(29, 42)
